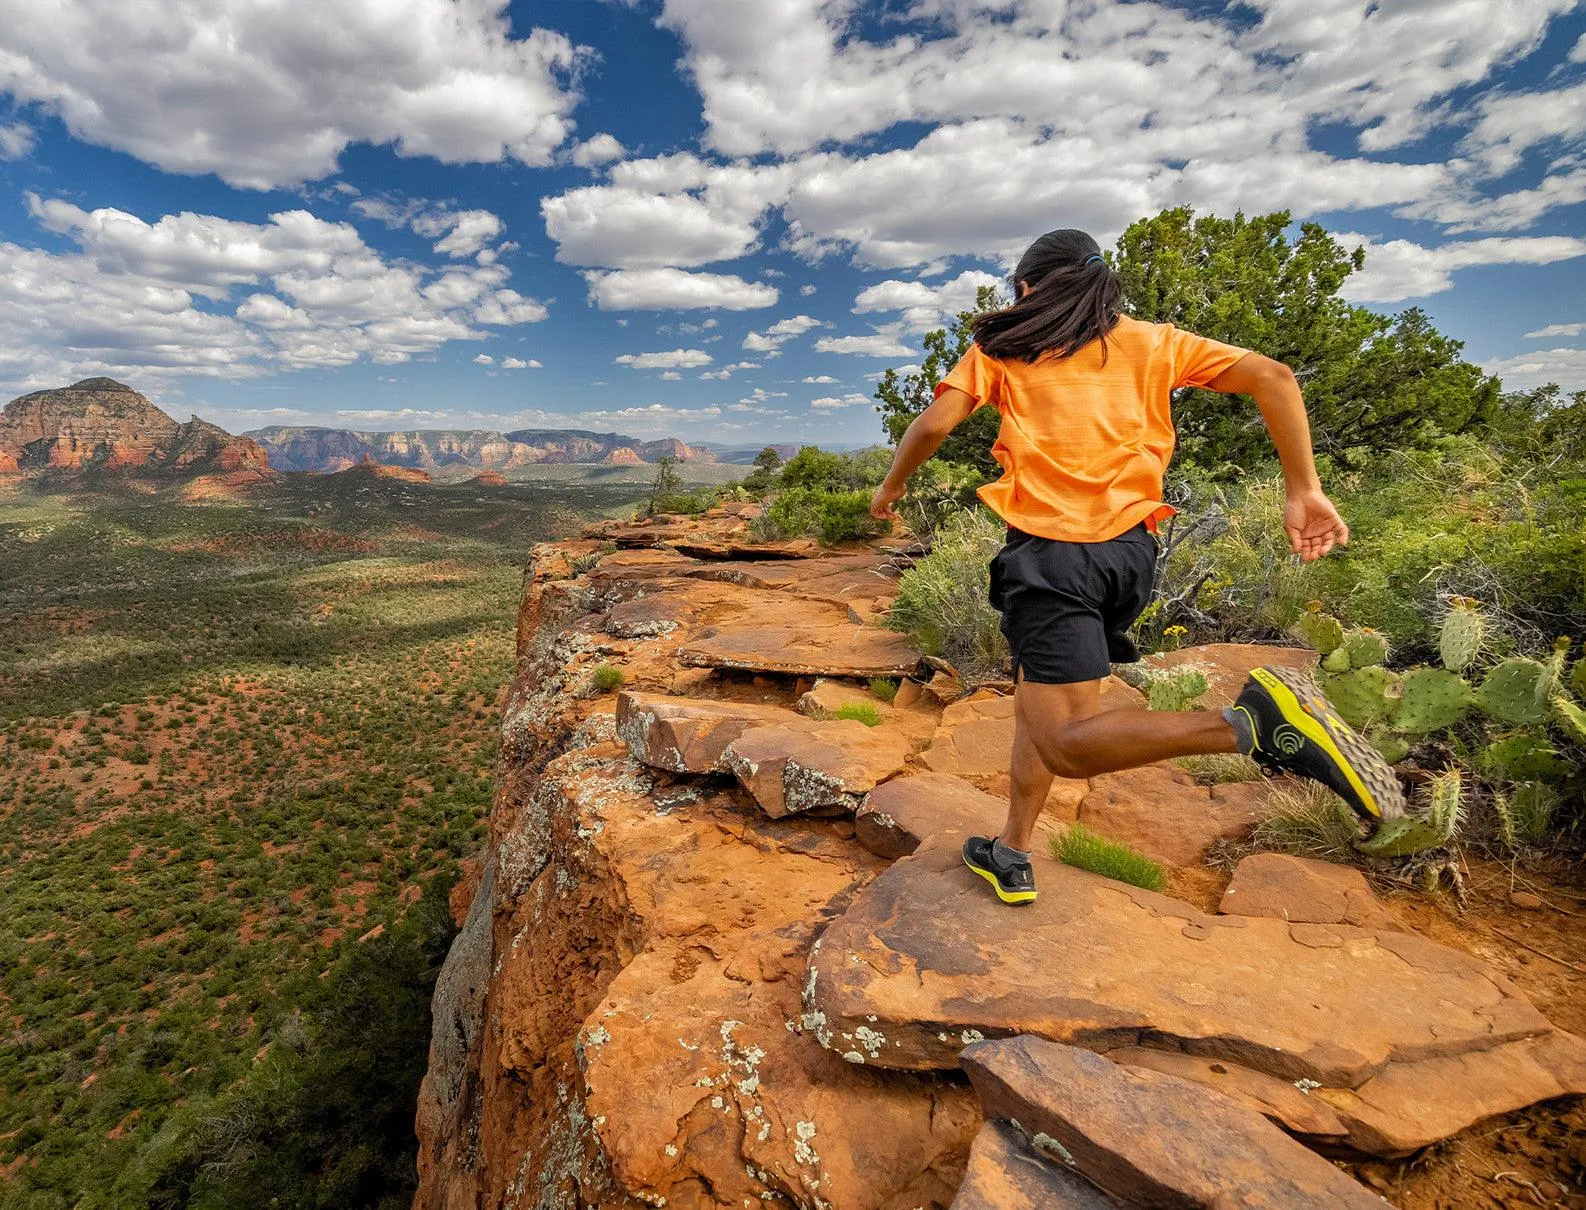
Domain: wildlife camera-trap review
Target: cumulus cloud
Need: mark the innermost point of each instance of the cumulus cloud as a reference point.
(16, 140)
(601, 149)
(885, 341)
(142, 296)
(820, 378)
(830, 403)
(484, 359)
(727, 372)
(771, 340)
(925, 306)
(675, 289)
(268, 95)
(1567, 367)
(1513, 122)
(466, 231)
(676, 359)
(1400, 269)
(518, 363)
(1556, 330)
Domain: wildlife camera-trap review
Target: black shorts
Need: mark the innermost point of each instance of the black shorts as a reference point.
(1067, 606)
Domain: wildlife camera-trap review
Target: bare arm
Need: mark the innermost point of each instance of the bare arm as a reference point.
(923, 438)
(1313, 524)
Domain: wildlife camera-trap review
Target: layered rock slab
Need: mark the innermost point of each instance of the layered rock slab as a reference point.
(927, 962)
(900, 814)
(687, 735)
(1149, 1139)
(1005, 1174)
(1161, 811)
(802, 638)
(1304, 891)
(802, 764)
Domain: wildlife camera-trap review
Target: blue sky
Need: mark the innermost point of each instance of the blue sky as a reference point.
(722, 219)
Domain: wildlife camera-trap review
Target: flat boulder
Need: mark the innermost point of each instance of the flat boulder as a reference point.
(1161, 811)
(688, 735)
(801, 764)
(1004, 1173)
(1149, 1139)
(926, 961)
(1227, 666)
(1303, 890)
(903, 812)
(799, 637)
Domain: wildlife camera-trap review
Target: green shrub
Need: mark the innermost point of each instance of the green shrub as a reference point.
(605, 678)
(942, 603)
(831, 516)
(1078, 846)
(883, 688)
(860, 712)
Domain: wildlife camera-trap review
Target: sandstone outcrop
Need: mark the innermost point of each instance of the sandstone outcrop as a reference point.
(721, 948)
(326, 450)
(103, 426)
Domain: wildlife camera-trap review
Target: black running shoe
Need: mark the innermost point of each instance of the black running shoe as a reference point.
(1013, 883)
(1297, 730)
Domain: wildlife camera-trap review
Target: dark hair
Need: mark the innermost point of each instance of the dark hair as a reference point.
(1072, 299)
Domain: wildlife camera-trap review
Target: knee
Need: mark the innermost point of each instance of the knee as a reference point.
(1060, 759)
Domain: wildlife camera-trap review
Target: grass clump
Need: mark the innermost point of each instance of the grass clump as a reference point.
(942, 602)
(1087, 850)
(860, 712)
(1308, 820)
(883, 688)
(1220, 768)
(605, 678)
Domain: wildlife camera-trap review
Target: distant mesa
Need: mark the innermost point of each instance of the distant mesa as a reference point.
(487, 479)
(325, 450)
(101, 428)
(368, 469)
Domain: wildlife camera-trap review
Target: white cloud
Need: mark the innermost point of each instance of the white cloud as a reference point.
(674, 376)
(778, 334)
(470, 230)
(313, 294)
(675, 289)
(517, 363)
(601, 149)
(727, 372)
(820, 378)
(1513, 122)
(16, 140)
(830, 403)
(925, 307)
(676, 359)
(268, 95)
(1400, 269)
(1470, 210)
(1567, 367)
(1556, 330)
(484, 359)
(806, 290)
(885, 341)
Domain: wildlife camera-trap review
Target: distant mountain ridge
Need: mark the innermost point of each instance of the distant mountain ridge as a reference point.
(311, 448)
(103, 427)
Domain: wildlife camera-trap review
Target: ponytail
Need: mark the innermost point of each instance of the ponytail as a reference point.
(1072, 299)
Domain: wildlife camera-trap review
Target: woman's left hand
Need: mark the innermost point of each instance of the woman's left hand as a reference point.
(881, 503)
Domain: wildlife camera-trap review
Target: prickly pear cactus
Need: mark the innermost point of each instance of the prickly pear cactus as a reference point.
(1336, 660)
(1552, 679)
(1511, 692)
(1319, 630)
(1432, 699)
(1364, 647)
(1523, 756)
(1362, 695)
(1175, 689)
(1394, 748)
(1570, 718)
(1525, 813)
(1441, 807)
(1577, 678)
(1463, 630)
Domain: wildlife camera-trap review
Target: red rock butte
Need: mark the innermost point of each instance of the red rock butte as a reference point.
(721, 950)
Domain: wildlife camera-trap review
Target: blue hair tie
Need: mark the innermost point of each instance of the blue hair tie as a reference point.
(1094, 256)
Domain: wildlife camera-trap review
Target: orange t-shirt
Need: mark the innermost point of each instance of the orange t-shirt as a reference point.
(1083, 446)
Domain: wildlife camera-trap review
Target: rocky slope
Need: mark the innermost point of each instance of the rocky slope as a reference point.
(100, 425)
(720, 949)
(328, 450)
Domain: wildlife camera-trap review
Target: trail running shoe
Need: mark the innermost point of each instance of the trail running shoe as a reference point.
(1013, 883)
(1296, 729)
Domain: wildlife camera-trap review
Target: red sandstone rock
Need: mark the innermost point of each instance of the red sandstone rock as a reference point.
(929, 962)
(1227, 666)
(1004, 1173)
(907, 810)
(819, 648)
(1304, 891)
(1149, 1139)
(688, 735)
(1159, 810)
(802, 764)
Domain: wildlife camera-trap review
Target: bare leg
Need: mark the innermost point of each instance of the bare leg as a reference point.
(1059, 732)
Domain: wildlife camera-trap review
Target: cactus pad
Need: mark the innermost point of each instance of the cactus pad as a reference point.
(1361, 696)
(1510, 692)
(1463, 631)
(1432, 700)
(1523, 756)
(1577, 678)
(1364, 648)
(1433, 826)
(1175, 689)
(1319, 630)
(1336, 660)
(1570, 717)
(1393, 747)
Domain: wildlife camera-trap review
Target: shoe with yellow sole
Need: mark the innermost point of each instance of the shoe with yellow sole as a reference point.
(1296, 730)
(1014, 882)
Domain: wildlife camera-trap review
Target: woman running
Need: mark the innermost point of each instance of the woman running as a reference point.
(1087, 432)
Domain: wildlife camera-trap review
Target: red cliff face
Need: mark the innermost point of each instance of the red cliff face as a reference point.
(623, 456)
(103, 425)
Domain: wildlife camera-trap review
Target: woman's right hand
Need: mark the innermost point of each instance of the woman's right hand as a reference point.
(881, 503)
